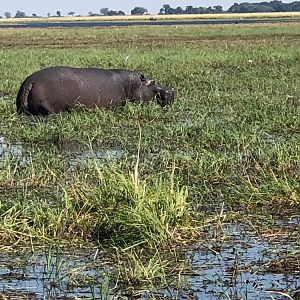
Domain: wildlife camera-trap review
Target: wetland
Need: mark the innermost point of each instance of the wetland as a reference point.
(199, 200)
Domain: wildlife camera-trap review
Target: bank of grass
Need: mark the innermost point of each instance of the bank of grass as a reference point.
(155, 17)
(95, 203)
(229, 144)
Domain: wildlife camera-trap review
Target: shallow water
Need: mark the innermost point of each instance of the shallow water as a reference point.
(234, 264)
(77, 154)
(240, 267)
(80, 154)
(54, 275)
(144, 23)
(9, 151)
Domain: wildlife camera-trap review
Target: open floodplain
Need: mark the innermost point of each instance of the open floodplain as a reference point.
(195, 201)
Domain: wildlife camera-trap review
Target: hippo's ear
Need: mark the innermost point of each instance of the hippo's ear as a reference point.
(149, 82)
(146, 81)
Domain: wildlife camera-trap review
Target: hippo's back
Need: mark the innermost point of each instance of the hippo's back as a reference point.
(55, 89)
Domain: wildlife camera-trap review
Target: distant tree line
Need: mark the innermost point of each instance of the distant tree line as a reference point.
(168, 10)
(244, 7)
(273, 6)
(103, 12)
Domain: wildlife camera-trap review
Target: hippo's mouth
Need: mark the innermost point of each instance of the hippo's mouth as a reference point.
(164, 99)
(159, 100)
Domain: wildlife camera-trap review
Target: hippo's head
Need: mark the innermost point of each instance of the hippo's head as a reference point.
(162, 94)
(165, 95)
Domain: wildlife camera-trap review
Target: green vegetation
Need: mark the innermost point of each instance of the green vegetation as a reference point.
(244, 7)
(143, 177)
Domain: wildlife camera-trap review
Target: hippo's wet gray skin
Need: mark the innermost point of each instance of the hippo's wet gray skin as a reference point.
(56, 89)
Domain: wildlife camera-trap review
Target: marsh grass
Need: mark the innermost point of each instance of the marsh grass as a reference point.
(98, 202)
(138, 270)
(230, 141)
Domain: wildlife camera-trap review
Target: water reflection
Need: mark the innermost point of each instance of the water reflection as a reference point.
(76, 153)
(9, 151)
(238, 268)
(88, 24)
(232, 264)
(54, 275)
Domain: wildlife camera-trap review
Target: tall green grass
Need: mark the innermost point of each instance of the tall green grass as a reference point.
(230, 140)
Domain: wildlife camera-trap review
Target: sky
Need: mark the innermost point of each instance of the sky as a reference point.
(83, 7)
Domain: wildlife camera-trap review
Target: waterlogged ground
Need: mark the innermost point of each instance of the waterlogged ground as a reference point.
(235, 260)
(237, 263)
(196, 201)
(246, 264)
(77, 153)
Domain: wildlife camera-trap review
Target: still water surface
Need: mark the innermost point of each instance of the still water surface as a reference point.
(237, 270)
(143, 23)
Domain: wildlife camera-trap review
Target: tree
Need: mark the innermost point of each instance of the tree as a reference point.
(218, 8)
(235, 8)
(104, 11)
(277, 5)
(179, 10)
(58, 13)
(139, 11)
(294, 6)
(210, 10)
(20, 14)
(7, 15)
(165, 9)
(34, 15)
(48, 15)
(168, 10)
(71, 13)
(120, 13)
(247, 7)
(202, 10)
(189, 9)
(175, 11)
(115, 13)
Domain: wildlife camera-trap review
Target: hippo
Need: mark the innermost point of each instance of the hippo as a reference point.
(57, 89)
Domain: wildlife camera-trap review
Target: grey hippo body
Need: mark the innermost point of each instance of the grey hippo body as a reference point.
(57, 89)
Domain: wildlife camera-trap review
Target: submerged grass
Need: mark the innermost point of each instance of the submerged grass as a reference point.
(142, 176)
